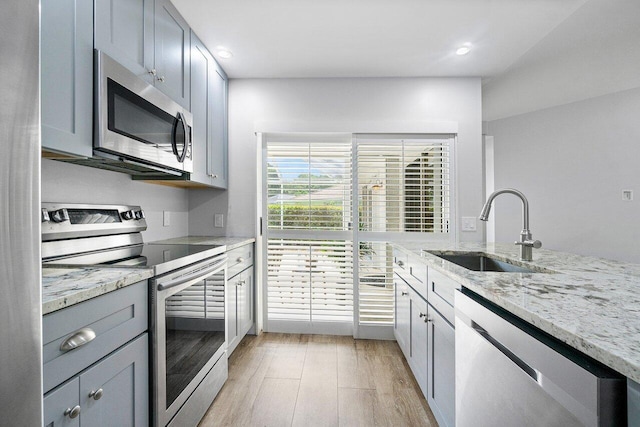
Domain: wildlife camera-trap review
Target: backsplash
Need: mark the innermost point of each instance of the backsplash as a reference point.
(64, 182)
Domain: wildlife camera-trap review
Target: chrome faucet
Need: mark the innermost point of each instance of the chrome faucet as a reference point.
(526, 242)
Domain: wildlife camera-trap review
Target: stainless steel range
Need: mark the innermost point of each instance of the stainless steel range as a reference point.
(187, 316)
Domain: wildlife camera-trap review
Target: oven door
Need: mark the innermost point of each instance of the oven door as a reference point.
(137, 121)
(188, 332)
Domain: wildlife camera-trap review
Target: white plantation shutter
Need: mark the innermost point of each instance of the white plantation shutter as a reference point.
(404, 183)
(404, 186)
(310, 280)
(309, 247)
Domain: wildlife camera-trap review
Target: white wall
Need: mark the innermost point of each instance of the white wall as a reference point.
(64, 182)
(572, 162)
(342, 104)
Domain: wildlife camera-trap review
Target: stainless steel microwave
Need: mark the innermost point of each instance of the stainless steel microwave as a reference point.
(137, 124)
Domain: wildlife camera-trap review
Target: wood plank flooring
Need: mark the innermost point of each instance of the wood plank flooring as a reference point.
(318, 380)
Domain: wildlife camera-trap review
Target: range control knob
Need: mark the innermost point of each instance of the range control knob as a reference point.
(60, 215)
(139, 214)
(45, 216)
(127, 215)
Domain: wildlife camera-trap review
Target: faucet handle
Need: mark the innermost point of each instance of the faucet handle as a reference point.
(537, 244)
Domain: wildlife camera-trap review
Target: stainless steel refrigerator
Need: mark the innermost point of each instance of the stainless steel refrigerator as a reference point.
(20, 271)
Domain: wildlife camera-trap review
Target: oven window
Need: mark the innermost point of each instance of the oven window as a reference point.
(137, 118)
(194, 331)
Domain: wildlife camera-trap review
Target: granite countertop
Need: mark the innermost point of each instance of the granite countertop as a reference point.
(64, 287)
(229, 242)
(591, 304)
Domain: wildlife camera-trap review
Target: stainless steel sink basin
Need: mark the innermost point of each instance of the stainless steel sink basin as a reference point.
(482, 262)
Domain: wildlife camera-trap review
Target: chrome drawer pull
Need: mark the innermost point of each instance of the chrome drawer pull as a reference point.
(401, 264)
(78, 339)
(72, 412)
(241, 282)
(405, 293)
(240, 259)
(97, 394)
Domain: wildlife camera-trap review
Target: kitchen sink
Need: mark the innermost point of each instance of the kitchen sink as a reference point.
(482, 262)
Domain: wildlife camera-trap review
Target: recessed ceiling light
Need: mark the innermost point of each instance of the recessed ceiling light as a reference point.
(463, 50)
(224, 53)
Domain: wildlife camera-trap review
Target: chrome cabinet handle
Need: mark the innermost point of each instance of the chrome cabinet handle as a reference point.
(78, 339)
(160, 79)
(240, 282)
(421, 315)
(403, 293)
(72, 412)
(152, 72)
(240, 259)
(401, 264)
(428, 320)
(97, 394)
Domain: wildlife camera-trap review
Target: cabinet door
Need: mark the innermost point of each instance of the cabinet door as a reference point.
(60, 400)
(172, 53)
(124, 31)
(121, 381)
(201, 68)
(441, 390)
(245, 302)
(402, 326)
(67, 76)
(231, 316)
(218, 147)
(419, 340)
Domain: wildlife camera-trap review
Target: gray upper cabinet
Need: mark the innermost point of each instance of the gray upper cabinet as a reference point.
(124, 31)
(208, 106)
(149, 38)
(67, 76)
(172, 53)
(219, 141)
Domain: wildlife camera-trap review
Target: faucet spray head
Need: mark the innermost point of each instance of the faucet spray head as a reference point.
(484, 215)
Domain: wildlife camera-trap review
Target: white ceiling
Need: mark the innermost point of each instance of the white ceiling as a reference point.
(372, 38)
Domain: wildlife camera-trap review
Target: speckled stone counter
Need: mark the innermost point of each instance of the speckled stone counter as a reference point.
(229, 242)
(591, 304)
(64, 287)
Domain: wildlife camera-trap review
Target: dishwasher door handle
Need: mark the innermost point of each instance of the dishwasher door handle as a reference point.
(524, 366)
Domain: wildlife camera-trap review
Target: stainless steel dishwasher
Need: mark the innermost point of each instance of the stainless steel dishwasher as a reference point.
(509, 373)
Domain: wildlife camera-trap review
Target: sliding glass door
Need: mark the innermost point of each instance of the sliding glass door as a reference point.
(331, 202)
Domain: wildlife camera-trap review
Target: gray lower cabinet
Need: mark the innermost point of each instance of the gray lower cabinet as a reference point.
(402, 322)
(419, 339)
(113, 392)
(66, 67)
(239, 295)
(424, 331)
(441, 375)
(208, 106)
(96, 361)
(151, 39)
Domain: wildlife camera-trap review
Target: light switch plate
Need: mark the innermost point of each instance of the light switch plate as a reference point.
(218, 220)
(166, 218)
(469, 223)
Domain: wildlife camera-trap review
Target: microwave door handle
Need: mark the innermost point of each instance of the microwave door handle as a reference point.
(174, 135)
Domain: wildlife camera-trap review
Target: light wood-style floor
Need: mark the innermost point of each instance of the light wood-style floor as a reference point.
(318, 380)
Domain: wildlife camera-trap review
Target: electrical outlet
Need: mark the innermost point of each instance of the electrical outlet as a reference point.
(166, 218)
(468, 223)
(218, 220)
(627, 195)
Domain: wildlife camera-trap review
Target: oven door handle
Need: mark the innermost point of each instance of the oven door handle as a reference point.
(195, 277)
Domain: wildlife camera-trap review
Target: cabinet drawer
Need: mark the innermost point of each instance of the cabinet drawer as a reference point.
(115, 318)
(239, 259)
(400, 259)
(440, 293)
